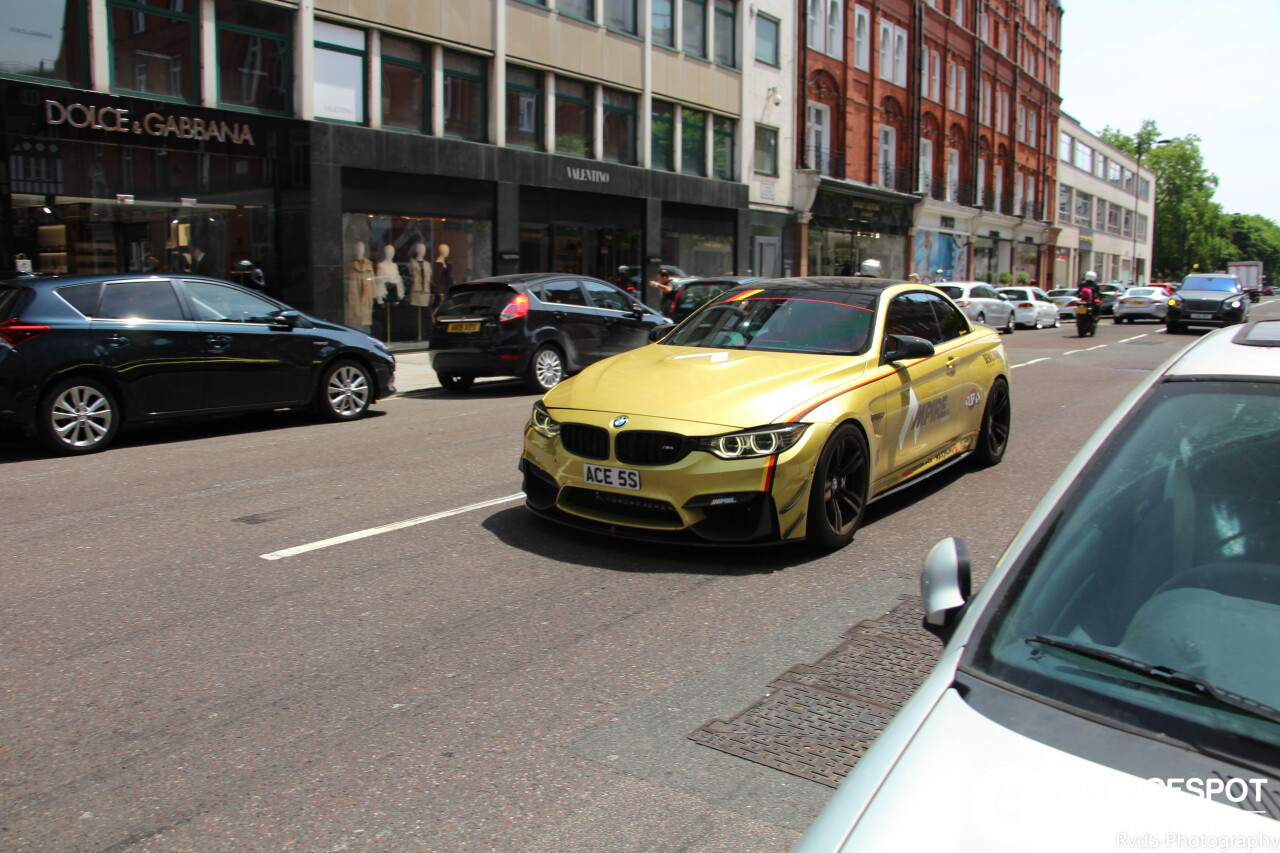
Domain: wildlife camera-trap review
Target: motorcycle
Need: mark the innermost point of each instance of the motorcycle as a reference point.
(1086, 321)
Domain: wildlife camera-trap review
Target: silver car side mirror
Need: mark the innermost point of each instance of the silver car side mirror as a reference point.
(945, 585)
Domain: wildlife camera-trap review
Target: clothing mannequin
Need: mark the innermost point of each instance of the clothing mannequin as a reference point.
(420, 277)
(390, 283)
(359, 288)
(442, 278)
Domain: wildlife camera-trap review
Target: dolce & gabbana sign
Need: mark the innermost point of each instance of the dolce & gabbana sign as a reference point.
(120, 120)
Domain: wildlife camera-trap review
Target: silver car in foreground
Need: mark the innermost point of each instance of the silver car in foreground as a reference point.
(1114, 683)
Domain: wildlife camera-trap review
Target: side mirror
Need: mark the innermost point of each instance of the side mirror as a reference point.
(945, 586)
(289, 318)
(902, 347)
(657, 333)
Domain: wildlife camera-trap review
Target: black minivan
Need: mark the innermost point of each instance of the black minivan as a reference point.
(539, 326)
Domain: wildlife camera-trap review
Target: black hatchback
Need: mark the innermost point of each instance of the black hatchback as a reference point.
(80, 356)
(539, 326)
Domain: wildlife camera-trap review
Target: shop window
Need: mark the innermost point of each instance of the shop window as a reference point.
(574, 118)
(465, 96)
(339, 75)
(396, 269)
(726, 33)
(662, 22)
(768, 38)
(619, 126)
(723, 147)
(663, 142)
(584, 9)
(406, 84)
(62, 58)
(154, 50)
(693, 142)
(694, 30)
(524, 107)
(766, 159)
(620, 15)
(255, 58)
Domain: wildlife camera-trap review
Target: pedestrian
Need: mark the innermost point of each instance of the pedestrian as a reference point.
(665, 288)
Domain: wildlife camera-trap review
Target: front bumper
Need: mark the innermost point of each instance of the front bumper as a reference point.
(697, 499)
(1179, 315)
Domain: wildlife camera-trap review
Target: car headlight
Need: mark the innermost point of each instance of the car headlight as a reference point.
(1235, 303)
(542, 422)
(750, 443)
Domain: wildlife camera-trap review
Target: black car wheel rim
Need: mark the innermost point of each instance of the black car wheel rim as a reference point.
(996, 430)
(348, 391)
(81, 416)
(844, 492)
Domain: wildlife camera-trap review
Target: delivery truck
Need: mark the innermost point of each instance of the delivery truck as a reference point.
(1250, 275)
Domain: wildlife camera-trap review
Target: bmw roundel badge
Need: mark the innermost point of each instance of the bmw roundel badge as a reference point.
(620, 421)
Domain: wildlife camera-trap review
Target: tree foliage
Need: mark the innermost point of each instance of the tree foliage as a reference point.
(1191, 229)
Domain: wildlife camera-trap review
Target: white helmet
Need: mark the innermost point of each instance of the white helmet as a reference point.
(870, 267)
(1091, 276)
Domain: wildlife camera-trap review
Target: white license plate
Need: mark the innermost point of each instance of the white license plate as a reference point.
(618, 478)
(1201, 316)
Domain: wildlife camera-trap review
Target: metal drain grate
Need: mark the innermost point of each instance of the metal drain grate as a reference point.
(819, 719)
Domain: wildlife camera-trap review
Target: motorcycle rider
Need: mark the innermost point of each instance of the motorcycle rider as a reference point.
(1089, 295)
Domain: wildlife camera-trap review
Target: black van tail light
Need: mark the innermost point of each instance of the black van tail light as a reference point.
(16, 332)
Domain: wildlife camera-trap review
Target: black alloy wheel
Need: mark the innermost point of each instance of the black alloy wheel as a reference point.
(997, 417)
(345, 392)
(77, 416)
(838, 495)
(455, 381)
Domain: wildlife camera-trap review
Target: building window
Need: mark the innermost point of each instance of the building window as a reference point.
(766, 159)
(153, 50)
(723, 147)
(619, 126)
(662, 120)
(693, 142)
(726, 33)
(925, 183)
(339, 78)
(1022, 123)
(255, 63)
(861, 38)
(1084, 209)
(1113, 218)
(824, 23)
(583, 9)
(620, 15)
(59, 51)
(835, 30)
(1064, 146)
(1100, 221)
(1128, 223)
(1142, 226)
(1032, 132)
(893, 53)
(768, 34)
(984, 108)
(663, 23)
(406, 84)
(574, 118)
(888, 157)
(819, 135)
(466, 83)
(953, 175)
(1083, 157)
(1065, 203)
(694, 32)
(525, 107)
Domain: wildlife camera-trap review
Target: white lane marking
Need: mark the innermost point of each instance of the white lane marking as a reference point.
(1025, 363)
(1134, 338)
(386, 528)
(1099, 346)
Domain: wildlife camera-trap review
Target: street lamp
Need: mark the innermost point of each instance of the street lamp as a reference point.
(1143, 148)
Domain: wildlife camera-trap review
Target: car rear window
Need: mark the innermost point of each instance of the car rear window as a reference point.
(477, 298)
(82, 297)
(951, 290)
(1016, 294)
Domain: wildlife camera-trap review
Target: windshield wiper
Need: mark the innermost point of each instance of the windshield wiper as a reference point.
(1177, 678)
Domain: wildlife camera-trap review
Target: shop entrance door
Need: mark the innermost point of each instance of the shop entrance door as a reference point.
(766, 260)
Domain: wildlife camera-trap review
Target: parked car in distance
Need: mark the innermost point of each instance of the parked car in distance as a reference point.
(981, 303)
(81, 356)
(539, 326)
(1210, 299)
(1142, 303)
(692, 293)
(1032, 307)
(1098, 691)
(1109, 293)
(1065, 299)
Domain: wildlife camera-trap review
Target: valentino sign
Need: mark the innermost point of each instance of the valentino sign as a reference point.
(118, 120)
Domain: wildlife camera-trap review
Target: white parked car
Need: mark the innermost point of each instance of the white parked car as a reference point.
(981, 303)
(1031, 307)
(1113, 685)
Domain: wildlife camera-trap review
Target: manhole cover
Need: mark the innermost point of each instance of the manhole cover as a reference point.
(820, 718)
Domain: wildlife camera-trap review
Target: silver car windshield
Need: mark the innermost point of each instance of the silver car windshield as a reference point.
(1167, 554)
(781, 323)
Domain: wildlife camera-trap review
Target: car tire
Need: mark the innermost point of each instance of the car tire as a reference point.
(345, 391)
(546, 369)
(78, 416)
(838, 495)
(1008, 327)
(1039, 323)
(1057, 321)
(456, 382)
(982, 318)
(1172, 329)
(997, 417)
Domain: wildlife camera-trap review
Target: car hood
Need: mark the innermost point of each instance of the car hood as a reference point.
(725, 387)
(986, 788)
(1209, 294)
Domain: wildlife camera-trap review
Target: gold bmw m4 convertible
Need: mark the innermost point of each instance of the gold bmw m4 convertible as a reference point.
(776, 412)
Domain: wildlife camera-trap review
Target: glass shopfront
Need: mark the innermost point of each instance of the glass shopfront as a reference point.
(847, 230)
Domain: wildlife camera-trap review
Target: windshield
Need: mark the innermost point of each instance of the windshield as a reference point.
(1204, 282)
(783, 321)
(1166, 553)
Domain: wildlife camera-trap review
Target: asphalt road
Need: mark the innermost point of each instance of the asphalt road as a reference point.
(270, 634)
